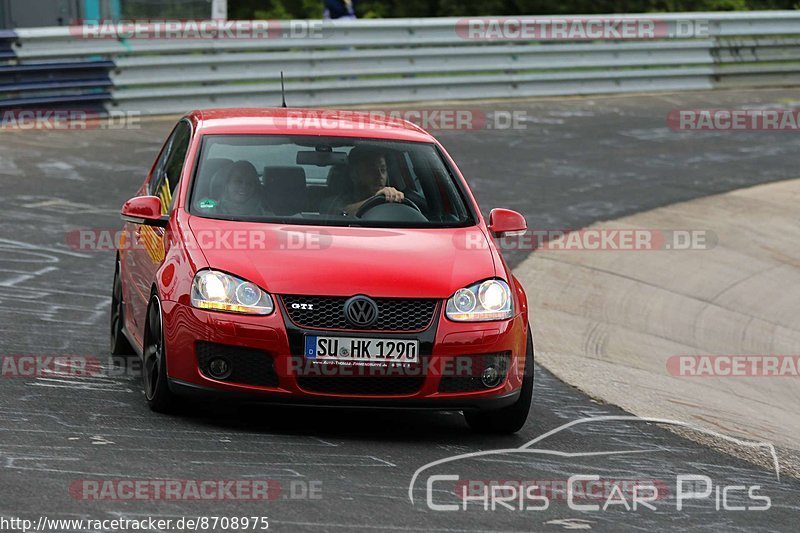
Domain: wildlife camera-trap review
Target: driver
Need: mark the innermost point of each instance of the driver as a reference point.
(369, 174)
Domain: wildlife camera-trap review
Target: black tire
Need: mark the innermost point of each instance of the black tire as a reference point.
(119, 343)
(154, 362)
(507, 419)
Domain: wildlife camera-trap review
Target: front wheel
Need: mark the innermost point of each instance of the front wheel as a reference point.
(507, 419)
(154, 367)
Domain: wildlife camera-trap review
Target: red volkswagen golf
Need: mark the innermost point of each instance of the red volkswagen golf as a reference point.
(275, 255)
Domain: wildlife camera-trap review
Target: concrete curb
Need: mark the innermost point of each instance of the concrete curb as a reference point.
(608, 321)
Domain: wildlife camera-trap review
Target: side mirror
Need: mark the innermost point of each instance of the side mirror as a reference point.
(504, 222)
(144, 210)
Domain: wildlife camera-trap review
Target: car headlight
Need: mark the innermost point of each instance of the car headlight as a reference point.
(222, 292)
(488, 300)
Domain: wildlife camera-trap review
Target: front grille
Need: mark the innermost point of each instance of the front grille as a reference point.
(464, 374)
(362, 385)
(248, 365)
(327, 312)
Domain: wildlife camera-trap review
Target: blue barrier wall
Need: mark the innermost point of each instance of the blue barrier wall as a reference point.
(7, 40)
(54, 84)
(73, 84)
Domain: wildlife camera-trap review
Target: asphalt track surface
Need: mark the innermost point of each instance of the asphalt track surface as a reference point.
(578, 161)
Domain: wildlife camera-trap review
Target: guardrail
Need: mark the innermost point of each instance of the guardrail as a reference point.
(7, 39)
(59, 84)
(402, 60)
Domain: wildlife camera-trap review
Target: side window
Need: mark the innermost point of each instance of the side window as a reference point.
(170, 165)
(158, 171)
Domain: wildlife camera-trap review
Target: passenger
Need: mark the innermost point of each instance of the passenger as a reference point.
(241, 193)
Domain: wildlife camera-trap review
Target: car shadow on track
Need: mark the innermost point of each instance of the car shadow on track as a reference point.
(344, 423)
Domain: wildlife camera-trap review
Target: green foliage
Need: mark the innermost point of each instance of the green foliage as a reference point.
(274, 9)
(285, 9)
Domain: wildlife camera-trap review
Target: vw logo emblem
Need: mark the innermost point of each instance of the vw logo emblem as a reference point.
(361, 311)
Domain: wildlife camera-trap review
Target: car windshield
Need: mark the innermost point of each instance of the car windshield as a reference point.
(334, 181)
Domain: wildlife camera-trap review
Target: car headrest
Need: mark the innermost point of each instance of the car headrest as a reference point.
(211, 165)
(207, 172)
(338, 180)
(285, 189)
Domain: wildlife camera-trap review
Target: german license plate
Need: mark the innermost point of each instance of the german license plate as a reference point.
(360, 349)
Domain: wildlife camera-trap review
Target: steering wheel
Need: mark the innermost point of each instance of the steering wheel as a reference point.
(380, 199)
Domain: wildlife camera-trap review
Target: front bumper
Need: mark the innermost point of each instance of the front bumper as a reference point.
(198, 392)
(440, 345)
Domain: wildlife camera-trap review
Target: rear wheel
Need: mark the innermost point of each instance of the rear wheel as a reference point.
(119, 343)
(507, 419)
(154, 366)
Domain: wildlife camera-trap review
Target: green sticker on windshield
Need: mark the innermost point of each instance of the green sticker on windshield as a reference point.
(207, 203)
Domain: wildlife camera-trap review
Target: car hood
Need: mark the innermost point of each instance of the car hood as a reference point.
(342, 261)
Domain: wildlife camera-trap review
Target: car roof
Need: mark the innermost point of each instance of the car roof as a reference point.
(299, 121)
